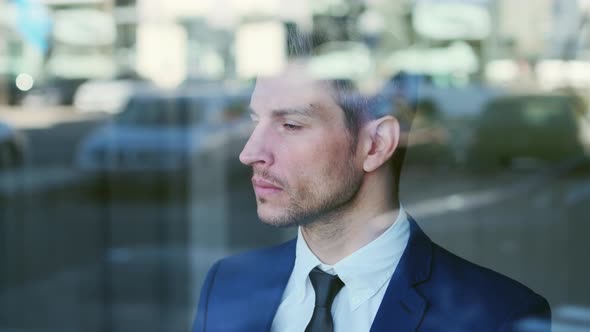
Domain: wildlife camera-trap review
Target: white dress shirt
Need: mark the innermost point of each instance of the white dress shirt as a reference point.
(365, 273)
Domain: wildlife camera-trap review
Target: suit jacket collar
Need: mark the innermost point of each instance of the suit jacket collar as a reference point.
(403, 306)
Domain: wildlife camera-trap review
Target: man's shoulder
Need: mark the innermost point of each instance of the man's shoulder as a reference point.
(470, 276)
(459, 278)
(235, 284)
(265, 258)
(459, 283)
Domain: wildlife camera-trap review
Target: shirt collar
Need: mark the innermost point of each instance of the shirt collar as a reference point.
(365, 271)
(305, 261)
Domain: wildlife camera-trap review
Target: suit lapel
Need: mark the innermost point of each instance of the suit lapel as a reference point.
(403, 307)
(270, 283)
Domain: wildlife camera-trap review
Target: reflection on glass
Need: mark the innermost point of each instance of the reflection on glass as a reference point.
(121, 123)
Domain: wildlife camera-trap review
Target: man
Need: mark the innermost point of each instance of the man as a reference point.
(328, 160)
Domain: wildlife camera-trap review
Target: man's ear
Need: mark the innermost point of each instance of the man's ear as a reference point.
(380, 141)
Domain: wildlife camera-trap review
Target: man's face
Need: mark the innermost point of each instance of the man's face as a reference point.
(300, 151)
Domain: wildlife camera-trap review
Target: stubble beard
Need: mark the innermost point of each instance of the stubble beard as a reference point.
(307, 206)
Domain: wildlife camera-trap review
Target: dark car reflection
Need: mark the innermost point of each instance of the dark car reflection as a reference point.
(531, 129)
(12, 147)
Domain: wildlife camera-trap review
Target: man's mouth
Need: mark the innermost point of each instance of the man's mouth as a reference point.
(264, 187)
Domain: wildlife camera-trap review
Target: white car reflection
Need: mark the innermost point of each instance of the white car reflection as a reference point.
(166, 131)
(109, 96)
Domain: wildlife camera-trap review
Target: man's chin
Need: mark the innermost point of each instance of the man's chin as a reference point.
(276, 219)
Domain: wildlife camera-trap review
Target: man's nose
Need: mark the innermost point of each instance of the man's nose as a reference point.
(257, 149)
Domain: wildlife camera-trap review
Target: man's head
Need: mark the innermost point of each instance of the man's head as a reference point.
(316, 148)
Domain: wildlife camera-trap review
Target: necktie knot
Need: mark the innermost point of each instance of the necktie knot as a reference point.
(326, 287)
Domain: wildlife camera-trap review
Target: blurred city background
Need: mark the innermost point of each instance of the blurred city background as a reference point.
(121, 122)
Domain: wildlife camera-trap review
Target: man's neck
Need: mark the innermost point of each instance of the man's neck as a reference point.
(335, 240)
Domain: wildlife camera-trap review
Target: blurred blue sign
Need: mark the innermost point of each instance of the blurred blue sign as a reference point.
(34, 22)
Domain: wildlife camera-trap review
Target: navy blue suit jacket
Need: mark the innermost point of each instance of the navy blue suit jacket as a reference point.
(431, 290)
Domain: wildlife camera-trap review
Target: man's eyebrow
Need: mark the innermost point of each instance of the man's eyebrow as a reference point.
(308, 112)
(281, 112)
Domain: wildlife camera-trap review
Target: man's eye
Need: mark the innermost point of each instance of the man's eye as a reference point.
(290, 126)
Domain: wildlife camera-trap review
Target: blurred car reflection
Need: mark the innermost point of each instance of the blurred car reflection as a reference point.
(12, 147)
(56, 91)
(529, 128)
(169, 133)
(108, 96)
(163, 131)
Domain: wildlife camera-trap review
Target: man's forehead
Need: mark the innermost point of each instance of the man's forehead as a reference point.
(292, 88)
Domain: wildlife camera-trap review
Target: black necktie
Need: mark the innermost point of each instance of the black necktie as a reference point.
(326, 286)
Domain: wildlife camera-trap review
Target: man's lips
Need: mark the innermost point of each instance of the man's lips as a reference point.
(264, 188)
